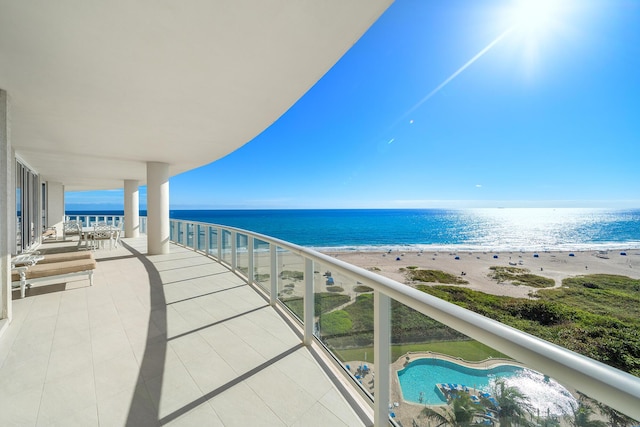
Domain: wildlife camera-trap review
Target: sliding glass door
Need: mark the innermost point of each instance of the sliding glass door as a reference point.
(28, 208)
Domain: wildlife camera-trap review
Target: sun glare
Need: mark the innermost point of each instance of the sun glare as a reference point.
(536, 27)
(535, 17)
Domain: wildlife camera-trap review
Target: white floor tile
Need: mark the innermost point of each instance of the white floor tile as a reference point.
(183, 352)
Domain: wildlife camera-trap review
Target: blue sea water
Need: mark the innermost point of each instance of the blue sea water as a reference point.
(436, 229)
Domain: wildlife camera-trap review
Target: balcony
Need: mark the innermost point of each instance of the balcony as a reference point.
(162, 340)
(184, 339)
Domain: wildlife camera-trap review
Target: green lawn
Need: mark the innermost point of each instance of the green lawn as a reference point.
(472, 351)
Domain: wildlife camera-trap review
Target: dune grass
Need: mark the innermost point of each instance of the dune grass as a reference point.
(520, 276)
(433, 276)
(595, 315)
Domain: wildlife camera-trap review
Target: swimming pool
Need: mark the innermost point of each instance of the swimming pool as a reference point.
(422, 375)
(543, 393)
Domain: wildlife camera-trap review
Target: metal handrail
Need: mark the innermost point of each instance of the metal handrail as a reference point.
(615, 388)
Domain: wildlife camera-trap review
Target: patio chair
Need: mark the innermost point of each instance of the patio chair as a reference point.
(71, 228)
(101, 233)
(117, 233)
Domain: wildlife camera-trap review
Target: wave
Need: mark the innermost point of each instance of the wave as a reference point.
(567, 247)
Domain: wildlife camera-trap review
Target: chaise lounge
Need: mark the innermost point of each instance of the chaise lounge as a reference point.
(62, 266)
(65, 256)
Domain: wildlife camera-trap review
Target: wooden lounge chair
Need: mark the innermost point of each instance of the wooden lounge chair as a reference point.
(27, 275)
(65, 256)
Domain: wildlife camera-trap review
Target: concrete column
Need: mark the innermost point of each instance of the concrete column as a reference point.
(7, 212)
(131, 208)
(55, 206)
(157, 208)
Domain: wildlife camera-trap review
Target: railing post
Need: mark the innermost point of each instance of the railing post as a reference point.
(207, 240)
(273, 257)
(219, 237)
(234, 249)
(250, 271)
(382, 357)
(309, 314)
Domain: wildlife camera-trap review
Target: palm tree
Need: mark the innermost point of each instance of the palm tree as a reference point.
(459, 414)
(580, 416)
(616, 419)
(513, 405)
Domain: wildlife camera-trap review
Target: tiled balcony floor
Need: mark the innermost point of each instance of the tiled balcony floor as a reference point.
(159, 340)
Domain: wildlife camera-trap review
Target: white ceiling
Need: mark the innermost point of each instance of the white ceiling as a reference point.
(98, 88)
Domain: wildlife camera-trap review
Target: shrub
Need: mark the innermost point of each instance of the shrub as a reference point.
(335, 323)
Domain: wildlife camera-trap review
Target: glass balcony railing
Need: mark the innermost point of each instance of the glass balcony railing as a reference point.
(421, 361)
(89, 220)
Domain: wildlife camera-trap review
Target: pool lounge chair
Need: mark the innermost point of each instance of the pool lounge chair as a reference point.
(25, 276)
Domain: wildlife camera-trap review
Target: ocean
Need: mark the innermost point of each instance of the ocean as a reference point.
(509, 229)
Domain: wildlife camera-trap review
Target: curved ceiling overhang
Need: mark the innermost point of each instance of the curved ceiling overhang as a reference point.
(97, 89)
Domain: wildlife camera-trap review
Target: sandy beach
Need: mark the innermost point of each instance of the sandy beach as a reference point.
(556, 265)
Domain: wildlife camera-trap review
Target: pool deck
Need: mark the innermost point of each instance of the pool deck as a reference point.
(407, 411)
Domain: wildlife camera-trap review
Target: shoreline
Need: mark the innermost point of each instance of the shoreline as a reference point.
(473, 266)
(573, 247)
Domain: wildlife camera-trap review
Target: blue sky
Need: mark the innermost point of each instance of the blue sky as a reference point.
(450, 104)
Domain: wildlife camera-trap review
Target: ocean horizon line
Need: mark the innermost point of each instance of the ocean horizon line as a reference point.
(476, 230)
(120, 211)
